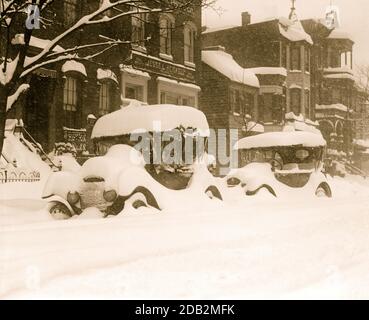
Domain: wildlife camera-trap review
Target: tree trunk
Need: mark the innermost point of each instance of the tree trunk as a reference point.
(3, 103)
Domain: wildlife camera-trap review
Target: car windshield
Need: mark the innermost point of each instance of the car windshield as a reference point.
(178, 148)
(286, 158)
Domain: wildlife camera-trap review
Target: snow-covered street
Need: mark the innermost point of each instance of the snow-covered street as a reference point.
(253, 247)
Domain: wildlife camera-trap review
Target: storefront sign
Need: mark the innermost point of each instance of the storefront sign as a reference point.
(155, 65)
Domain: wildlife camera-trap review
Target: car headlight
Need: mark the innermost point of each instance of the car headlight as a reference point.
(110, 195)
(73, 197)
(232, 182)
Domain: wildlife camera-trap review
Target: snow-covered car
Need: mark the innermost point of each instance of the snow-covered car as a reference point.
(282, 163)
(128, 142)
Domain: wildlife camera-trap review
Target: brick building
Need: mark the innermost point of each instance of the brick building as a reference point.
(160, 65)
(229, 97)
(278, 51)
(334, 92)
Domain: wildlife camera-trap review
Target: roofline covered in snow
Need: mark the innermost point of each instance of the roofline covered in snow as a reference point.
(281, 139)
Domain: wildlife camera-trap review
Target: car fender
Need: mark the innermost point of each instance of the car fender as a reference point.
(55, 198)
(60, 183)
(134, 177)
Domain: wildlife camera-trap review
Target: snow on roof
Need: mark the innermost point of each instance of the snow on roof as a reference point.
(134, 72)
(337, 106)
(340, 76)
(225, 64)
(103, 74)
(152, 118)
(255, 127)
(293, 30)
(281, 139)
(35, 42)
(344, 69)
(179, 83)
(339, 34)
(209, 30)
(295, 86)
(72, 65)
(269, 71)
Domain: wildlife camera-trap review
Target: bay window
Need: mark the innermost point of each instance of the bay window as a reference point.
(295, 57)
(295, 101)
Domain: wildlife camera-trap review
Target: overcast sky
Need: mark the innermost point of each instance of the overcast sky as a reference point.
(353, 15)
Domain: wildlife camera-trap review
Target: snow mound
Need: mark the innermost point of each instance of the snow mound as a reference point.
(293, 31)
(281, 139)
(269, 71)
(14, 149)
(225, 64)
(75, 66)
(152, 118)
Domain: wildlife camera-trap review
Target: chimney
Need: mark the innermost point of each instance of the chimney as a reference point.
(246, 18)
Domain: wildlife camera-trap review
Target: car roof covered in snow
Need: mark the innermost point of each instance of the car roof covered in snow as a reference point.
(281, 139)
(150, 118)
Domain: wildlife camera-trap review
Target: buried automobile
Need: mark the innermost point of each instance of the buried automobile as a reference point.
(281, 163)
(144, 154)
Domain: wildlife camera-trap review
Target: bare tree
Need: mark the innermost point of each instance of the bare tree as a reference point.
(15, 70)
(363, 77)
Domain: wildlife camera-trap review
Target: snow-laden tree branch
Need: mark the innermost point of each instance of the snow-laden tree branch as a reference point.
(16, 62)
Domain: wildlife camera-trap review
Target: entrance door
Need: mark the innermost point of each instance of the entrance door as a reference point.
(36, 112)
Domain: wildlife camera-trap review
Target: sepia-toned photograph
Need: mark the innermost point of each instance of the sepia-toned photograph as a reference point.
(184, 150)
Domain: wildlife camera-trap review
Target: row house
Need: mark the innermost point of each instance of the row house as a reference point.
(229, 98)
(278, 52)
(334, 90)
(159, 63)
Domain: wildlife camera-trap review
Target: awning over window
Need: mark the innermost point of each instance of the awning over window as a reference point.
(106, 74)
(74, 66)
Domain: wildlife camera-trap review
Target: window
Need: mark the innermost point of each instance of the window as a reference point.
(238, 105)
(295, 103)
(70, 102)
(70, 12)
(266, 101)
(166, 28)
(248, 104)
(284, 55)
(189, 43)
(167, 97)
(104, 101)
(307, 103)
(138, 29)
(336, 95)
(134, 92)
(295, 58)
(307, 59)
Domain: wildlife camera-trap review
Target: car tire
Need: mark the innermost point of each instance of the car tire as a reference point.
(264, 186)
(119, 204)
(213, 192)
(323, 191)
(59, 211)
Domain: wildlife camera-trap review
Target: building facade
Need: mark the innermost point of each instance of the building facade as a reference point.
(158, 62)
(334, 91)
(278, 51)
(229, 98)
